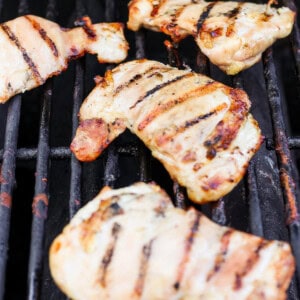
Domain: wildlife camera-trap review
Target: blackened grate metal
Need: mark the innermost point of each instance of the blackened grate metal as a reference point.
(46, 178)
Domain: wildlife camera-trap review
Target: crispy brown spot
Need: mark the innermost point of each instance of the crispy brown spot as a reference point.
(5, 199)
(43, 35)
(39, 205)
(197, 166)
(91, 139)
(227, 129)
(87, 26)
(216, 32)
(190, 156)
(112, 210)
(189, 241)
(56, 247)
(145, 256)
(221, 256)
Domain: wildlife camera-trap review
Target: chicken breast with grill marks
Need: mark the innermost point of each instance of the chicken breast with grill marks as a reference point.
(131, 243)
(34, 49)
(232, 35)
(198, 128)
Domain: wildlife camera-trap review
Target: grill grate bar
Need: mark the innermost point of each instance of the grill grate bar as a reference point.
(111, 170)
(284, 157)
(255, 213)
(40, 200)
(8, 181)
(7, 176)
(143, 153)
(65, 152)
(256, 225)
(76, 169)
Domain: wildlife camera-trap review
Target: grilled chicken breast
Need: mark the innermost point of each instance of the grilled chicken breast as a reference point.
(131, 243)
(198, 128)
(232, 35)
(34, 49)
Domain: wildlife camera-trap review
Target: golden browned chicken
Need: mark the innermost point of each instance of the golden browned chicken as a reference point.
(198, 128)
(232, 35)
(34, 49)
(131, 243)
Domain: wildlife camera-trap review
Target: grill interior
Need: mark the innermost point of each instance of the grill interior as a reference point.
(43, 185)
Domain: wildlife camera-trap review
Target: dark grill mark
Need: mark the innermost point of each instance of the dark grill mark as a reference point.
(107, 258)
(113, 210)
(159, 87)
(251, 261)
(167, 137)
(128, 83)
(43, 35)
(196, 120)
(221, 256)
(38, 79)
(146, 253)
(228, 128)
(189, 241)
(204, 15)
(164, 107)
(232, 15)
(87, 26)
(234, 12)
(135, 78)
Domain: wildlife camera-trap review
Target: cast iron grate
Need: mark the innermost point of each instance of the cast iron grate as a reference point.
(265, 203)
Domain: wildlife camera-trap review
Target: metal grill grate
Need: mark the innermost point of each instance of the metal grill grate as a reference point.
(265, 203)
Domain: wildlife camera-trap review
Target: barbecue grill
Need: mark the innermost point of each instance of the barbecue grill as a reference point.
(43, 185)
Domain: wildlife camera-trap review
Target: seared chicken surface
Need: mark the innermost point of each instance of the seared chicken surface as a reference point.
(232, 35)
(34, 49)
(198, 128)
(131, 243)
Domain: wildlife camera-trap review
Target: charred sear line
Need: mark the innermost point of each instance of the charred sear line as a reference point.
(204, 15)
(228, 128)
(189, 241)
(39, 80)
(159, 87)
(196, 120)
(250, 263)
(187, 124)
(127, 84)
(221, 256)
(107, 258)
(232, 15)
(87, 27)
(145, 256)
(134, 79)
(164, 107)
(234, 12)
(113, 210)
(43, 35)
